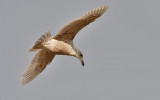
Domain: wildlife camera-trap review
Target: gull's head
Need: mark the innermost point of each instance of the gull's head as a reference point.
(79, 55)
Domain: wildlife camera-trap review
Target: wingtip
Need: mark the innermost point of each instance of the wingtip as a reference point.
(101, 10)
(22, 82)
(106, 6)
(26, 78)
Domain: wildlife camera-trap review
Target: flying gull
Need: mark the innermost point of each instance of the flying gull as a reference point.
(61, 44)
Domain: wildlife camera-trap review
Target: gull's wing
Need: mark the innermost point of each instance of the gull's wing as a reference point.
(41, 59)
(69, 31)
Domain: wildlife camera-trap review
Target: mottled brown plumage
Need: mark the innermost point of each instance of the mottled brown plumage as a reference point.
(60, 44)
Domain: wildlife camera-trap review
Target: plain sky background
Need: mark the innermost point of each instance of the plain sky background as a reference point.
(121, 50)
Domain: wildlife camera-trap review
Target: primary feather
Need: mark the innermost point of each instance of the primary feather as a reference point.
(41, 59)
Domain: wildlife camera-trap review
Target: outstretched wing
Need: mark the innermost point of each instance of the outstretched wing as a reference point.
(41, 59)
(69, 31)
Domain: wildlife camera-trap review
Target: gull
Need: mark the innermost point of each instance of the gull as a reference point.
(61, 44)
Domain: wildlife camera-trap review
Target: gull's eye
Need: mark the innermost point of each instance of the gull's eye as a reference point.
(81, 55)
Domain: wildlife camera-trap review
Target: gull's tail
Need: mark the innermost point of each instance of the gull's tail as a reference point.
(38, 44)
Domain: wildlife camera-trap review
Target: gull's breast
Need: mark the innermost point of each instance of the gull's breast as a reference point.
(59, 47)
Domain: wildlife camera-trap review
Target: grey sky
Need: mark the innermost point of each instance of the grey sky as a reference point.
(121, 50)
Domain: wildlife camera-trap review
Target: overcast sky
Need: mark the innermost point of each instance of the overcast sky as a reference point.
(121, 50)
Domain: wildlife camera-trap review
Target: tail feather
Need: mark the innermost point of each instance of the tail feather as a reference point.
(45, 37)
(38, 44)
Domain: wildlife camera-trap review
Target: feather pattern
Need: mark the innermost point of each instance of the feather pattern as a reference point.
(41, 59)
(38, 44)
(69, 31)
(60, 44)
